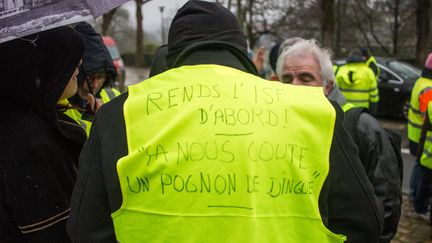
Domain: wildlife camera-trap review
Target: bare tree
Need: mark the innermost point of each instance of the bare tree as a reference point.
(106, 20)
(327, 22)
(422, 12)
(401, 14)
(340, 4)
(140, 32)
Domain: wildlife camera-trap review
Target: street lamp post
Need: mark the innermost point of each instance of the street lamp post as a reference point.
(161, 8)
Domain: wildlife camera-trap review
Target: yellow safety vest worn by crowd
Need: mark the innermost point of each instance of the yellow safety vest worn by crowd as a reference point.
(358, 84)
(415, 116)
(426, 157)
(347, 106)
(108, 94)
(219, 155)
(77, 117)
(372, 64)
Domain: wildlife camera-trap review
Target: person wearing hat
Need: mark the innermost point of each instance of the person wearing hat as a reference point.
(421, 95)
(357, 82)
(95, 80)
(207, 151)
(40, 145)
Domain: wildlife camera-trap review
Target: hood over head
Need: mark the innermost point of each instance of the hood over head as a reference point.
(200, 25)
(36, 70)
(158, 64)
(349, 78)
(96, 56)
(274, 55)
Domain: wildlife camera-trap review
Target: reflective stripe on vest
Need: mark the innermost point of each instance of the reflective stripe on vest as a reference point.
(108, 94)
(358, 84)
(426, 157)
(415, 117)
(347, 106)
(77, 117)
(219, 155)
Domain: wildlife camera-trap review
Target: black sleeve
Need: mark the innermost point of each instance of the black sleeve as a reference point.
(35, 191)
(347, 201)
(373, 108)
(97, 192)
(384, 173)
(90, 219)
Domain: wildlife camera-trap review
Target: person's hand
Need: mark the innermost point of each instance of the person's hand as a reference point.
(93, 104)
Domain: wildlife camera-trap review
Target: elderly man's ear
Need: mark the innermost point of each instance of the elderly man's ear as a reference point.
(328, 87)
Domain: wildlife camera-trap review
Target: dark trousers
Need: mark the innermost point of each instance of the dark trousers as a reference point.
(414, 179)
(423, 191)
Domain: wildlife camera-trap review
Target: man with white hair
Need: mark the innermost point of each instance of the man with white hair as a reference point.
(307, 64)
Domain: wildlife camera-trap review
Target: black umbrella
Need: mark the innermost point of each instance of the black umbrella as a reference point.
(19, 18)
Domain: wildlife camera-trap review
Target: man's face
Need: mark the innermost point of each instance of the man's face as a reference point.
(301, 70)
(96, 82)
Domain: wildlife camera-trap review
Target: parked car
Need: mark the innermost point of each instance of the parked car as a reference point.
(395, 83)
(117, 59)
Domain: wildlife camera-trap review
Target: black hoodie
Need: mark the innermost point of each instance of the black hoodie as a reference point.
(96, 56)
(40, 146)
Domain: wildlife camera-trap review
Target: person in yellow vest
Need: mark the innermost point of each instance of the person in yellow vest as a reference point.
(421, 95)
(306, 63)
(371, 61)
(357, 82)
(97, 73)
(423, 192)
(207, 151)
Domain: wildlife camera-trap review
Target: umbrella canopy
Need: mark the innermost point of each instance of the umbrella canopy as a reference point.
(19, 18)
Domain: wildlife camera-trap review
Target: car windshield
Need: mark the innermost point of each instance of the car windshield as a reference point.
(405, 70)
(113, 52)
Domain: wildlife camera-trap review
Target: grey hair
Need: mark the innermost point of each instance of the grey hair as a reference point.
(302, 47)
(287, 43)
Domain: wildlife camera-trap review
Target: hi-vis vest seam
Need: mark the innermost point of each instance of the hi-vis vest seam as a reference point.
(222, 149)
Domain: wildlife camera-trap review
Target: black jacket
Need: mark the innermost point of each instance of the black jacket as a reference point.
(347, 202)
(40, 146)
(379, 161)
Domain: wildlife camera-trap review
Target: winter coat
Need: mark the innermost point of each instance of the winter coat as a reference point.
(40, 146)
(347, 202)
(379, 161)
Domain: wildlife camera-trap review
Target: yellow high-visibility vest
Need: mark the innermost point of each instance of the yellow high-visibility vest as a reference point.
(358, 84)
(426, 157)
(108, 94)
(219, 155)
(415, 117)
(372, 62)
(77, 117)
(347, 106)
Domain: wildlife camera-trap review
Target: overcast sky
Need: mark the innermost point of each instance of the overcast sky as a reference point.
(152, 15)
